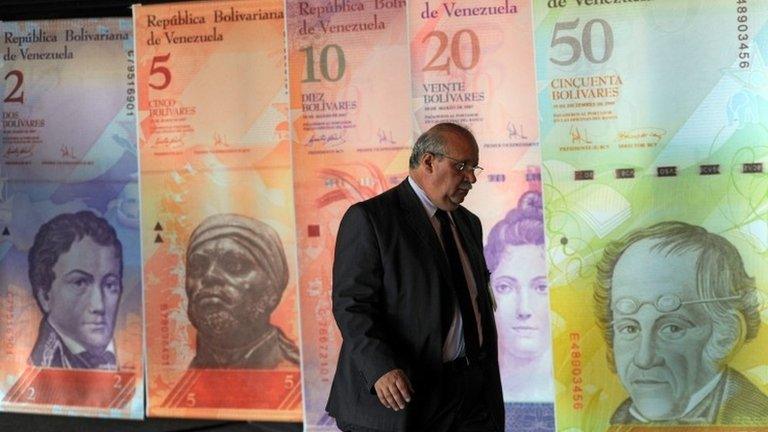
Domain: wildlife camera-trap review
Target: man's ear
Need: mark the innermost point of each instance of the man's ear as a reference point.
(428, 160)
(43, 299)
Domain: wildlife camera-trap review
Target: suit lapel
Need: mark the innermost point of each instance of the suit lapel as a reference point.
(417, 219)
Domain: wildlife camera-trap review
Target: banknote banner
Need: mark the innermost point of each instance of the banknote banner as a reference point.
(472, 63)
(653, 136)
(350, 120)
(219, 241)
(70, 266)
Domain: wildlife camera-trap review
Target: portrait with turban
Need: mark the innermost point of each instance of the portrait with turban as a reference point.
(236, 273)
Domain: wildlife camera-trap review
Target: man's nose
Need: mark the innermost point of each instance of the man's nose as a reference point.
(646, 356)
(213, 275)
(470, 175)
(95, 299)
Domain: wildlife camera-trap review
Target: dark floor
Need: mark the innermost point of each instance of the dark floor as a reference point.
(40, 423)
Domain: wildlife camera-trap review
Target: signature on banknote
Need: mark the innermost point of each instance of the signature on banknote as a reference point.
(220, 140)
(655, 134)
(18, 152)
(173, 142)
(385, 138)
(67, 152)
(328, 140)
(515, 131)
(579, 136)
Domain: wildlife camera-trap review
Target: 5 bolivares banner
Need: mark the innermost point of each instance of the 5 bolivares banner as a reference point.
(217, 204)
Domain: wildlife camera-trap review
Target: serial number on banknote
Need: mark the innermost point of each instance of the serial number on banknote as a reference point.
(743, 37)
(130, 93)
(577, 389)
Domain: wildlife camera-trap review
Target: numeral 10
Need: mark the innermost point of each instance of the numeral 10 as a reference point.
(341, 63)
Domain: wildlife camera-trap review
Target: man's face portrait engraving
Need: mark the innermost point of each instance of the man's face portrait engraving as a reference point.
(660, 356)
(675, 304)
(76, 270)
(236, 273)
(82, 302)
(227, 287)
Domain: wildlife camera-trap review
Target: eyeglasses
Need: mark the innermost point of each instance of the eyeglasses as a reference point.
(664, 304)
(461, 165)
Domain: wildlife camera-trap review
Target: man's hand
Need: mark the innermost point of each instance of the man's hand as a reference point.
(394, 389)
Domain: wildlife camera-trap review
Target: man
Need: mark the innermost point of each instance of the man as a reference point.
(76, 270)
(410, 297)
(675, 304)
(236, 275)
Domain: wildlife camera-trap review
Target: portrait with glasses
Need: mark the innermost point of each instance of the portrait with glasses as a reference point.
(675, 304)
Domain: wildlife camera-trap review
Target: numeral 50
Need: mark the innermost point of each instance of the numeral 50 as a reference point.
(585, 44)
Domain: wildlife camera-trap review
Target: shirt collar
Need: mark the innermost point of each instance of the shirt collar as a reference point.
(428, 206)
(74, 346)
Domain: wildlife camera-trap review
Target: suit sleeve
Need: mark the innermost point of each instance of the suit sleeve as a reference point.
(358, 296)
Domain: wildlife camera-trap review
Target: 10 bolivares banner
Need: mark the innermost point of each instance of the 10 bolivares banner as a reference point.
(350, 120)
(217, 204)
(70, 269)
(655, 194)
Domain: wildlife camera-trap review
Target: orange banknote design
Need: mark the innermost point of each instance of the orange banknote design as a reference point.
(219, 244)
(351, 139)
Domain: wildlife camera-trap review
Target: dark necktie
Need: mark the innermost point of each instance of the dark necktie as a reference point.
(471, 339)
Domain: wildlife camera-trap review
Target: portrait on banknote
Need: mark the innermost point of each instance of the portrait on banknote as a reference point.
(675, 303)
(75, 271)
(236, 272)
(515, 256)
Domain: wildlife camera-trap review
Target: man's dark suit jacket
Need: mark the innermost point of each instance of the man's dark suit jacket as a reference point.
(389, 278)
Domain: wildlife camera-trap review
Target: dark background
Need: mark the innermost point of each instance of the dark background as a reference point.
(18, 10)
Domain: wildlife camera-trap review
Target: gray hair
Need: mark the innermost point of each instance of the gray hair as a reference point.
(433, 141)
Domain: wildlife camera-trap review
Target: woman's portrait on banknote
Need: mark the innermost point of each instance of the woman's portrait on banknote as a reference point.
(515, 257)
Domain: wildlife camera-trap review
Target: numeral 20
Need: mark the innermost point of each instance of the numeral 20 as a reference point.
(19, 81)
(585, 44)
(455, 56)
(341, 63)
